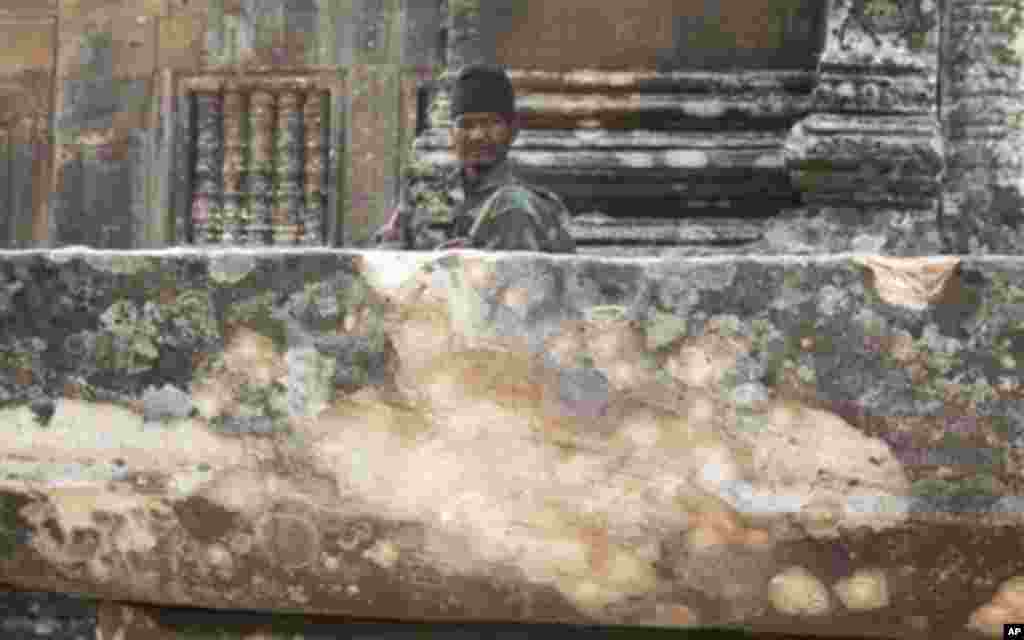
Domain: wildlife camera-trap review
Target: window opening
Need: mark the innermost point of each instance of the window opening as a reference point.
(259, 158)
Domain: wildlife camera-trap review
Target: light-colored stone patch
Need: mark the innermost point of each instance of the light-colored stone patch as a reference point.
(705, 361)
(253, 355)
(219, 557)
(490, 460)
(1006, 606)
(231, 268)
(674, 615)
(388, 271)
(105, 431)
(801, 451)
(293, 541)
(914, 283)
(96, 526)
(821, 517)
(384, 554)
(248, 491)
(617, 347)
(119, 263)
(116, 262)
(310, 381)
(494, 469)
(865, 590)
(798, 592)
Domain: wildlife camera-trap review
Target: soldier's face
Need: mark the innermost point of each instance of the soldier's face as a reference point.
(482, 139)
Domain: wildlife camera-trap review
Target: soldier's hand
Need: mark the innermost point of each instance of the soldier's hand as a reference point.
(391, 232)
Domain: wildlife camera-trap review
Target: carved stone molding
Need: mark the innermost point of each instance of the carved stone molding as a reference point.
(874, 141)
(983, 114)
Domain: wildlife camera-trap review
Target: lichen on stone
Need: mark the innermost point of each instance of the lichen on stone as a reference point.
(14, 531)
(231, 268)
(798, 592)
(259, 314)
(119, 263)
(976, 493)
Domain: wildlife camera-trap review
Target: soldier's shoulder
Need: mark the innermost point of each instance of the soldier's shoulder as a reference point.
(528, 188)
(547, 194)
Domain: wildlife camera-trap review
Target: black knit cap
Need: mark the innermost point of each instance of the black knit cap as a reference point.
(483, 89)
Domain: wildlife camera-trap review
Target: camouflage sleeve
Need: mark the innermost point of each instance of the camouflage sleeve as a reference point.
(409, 227)
(422, 234)
(517, 218)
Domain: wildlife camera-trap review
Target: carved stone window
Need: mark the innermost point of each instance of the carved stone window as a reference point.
(259, 159)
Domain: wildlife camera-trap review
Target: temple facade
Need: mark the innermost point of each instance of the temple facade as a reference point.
(197, 441)
(771, 126)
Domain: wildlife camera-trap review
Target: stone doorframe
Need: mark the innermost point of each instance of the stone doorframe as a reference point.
(868, 158)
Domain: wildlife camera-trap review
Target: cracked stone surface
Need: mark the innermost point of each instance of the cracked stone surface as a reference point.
(816, 445)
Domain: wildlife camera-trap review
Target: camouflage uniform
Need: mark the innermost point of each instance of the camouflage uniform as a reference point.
(498, 212)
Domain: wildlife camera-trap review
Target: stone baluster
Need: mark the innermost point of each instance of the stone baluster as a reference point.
(233, 169)
(314, 112)
(261, 166)
(207, 200)
(287, 207)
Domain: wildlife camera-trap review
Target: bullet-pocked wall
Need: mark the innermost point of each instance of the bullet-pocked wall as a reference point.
(99, 101)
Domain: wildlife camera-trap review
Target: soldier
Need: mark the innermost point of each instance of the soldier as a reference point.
(481, 204)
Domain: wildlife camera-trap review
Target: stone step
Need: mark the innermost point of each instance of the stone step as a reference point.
(668, 110)
(723, 83)
(597, 228)
(656, 100)
(710, 189)
(597, 138)
(657, 172)
(591, 161)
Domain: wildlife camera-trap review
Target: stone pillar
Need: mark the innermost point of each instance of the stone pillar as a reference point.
(868, 159)
(983, 120)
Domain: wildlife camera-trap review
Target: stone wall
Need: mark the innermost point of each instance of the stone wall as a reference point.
(844, 134)
(812, 445)
(982, 105)
(94, 119)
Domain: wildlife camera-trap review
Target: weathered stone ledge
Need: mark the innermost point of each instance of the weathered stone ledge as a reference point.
(827, 445)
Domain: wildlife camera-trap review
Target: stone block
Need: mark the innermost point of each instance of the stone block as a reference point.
(182, 36)
(29, 45)
(372, 152)
(800, 444)
(100, 192)
(51, 616)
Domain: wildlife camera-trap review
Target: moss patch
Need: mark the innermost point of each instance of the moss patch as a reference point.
(256, 313)
(974, 492)
(14, 531)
